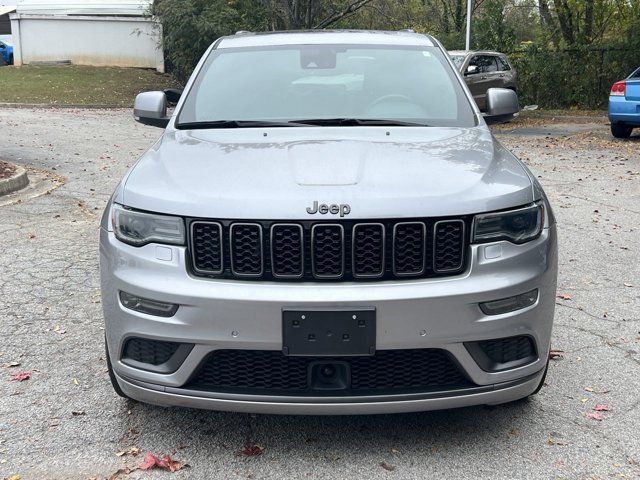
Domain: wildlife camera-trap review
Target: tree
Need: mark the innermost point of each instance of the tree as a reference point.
(492, 29)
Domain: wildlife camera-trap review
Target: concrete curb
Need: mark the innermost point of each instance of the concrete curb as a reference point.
(49, 105)
(18, 181)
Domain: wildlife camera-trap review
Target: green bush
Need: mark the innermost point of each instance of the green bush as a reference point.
(571, 78)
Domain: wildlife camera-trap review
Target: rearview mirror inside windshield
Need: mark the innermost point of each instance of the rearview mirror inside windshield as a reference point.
(318, 58)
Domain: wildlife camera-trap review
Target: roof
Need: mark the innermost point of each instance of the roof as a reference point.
(85, 7)
(7, 9)
(315, 37)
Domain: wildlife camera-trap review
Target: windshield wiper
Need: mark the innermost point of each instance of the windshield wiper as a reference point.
(350, 122)
(235, 124)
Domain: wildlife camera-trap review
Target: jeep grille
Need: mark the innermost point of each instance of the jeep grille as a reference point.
(328, 251)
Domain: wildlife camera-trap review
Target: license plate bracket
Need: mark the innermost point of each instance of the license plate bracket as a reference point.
(329, 332)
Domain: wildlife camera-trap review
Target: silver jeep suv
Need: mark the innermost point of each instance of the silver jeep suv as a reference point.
(327, 226)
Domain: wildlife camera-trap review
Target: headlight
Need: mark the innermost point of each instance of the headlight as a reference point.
(138, 228)
(517, 226)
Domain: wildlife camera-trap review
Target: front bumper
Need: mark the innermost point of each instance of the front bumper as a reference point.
(428, 313)
(487, 395)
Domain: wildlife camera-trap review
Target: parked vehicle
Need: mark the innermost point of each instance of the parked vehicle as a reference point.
(6, 53)
(624, 105)
(337, 232)
(484, 70)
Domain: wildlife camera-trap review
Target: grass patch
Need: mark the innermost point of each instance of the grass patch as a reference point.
(78, 85)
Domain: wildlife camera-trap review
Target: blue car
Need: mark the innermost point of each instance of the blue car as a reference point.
(6, 53)
(624, 105)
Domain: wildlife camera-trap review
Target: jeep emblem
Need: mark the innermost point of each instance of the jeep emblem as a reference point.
(343, 209)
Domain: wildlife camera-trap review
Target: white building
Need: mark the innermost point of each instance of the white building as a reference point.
(89, 32)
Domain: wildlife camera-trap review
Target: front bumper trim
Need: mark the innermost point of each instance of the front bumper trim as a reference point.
(482, 395)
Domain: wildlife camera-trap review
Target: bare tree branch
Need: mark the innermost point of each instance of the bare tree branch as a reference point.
(351, 8)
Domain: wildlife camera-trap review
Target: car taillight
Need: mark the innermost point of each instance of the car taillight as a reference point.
(618, 88)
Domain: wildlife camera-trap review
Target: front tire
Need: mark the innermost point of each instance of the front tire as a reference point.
(621, 131)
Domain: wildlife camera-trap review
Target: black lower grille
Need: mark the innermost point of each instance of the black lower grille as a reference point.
(510, 349)
(503, 353)
(152, 352)
(271, 372)
(342, 250)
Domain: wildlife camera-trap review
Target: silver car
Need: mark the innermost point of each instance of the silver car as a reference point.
(327, 226)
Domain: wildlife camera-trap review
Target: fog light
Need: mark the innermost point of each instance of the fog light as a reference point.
(506, 305)
(150, 307)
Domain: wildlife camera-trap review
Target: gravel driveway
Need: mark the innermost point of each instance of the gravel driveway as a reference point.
(65, 421)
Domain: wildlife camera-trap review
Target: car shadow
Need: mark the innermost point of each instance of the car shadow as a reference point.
(331, 436)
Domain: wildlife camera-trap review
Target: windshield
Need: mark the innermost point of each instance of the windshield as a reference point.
(457, 60)
(305, 82)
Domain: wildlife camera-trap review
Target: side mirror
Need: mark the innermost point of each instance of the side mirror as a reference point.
(150, 108)
(502, 104)
(471, 69)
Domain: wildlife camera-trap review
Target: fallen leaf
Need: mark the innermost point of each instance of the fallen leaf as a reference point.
(13, 364)
(556, 354)
(13, 477)
(588, 389)
(595, 416)
(628, 284)
(388, 467)
(20, 376)
(134, 451)
(601, 408)
(121, 471)
(77, 413)
(75, 381)
(251, 450)
(150, 461)
(564, 296)
(551, 441)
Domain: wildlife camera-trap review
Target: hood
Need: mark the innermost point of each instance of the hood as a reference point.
(278, 173)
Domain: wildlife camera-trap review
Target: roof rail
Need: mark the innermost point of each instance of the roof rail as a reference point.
(242, 32)
(409, 30)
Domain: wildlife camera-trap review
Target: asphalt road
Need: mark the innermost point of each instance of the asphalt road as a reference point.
(51, 324)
